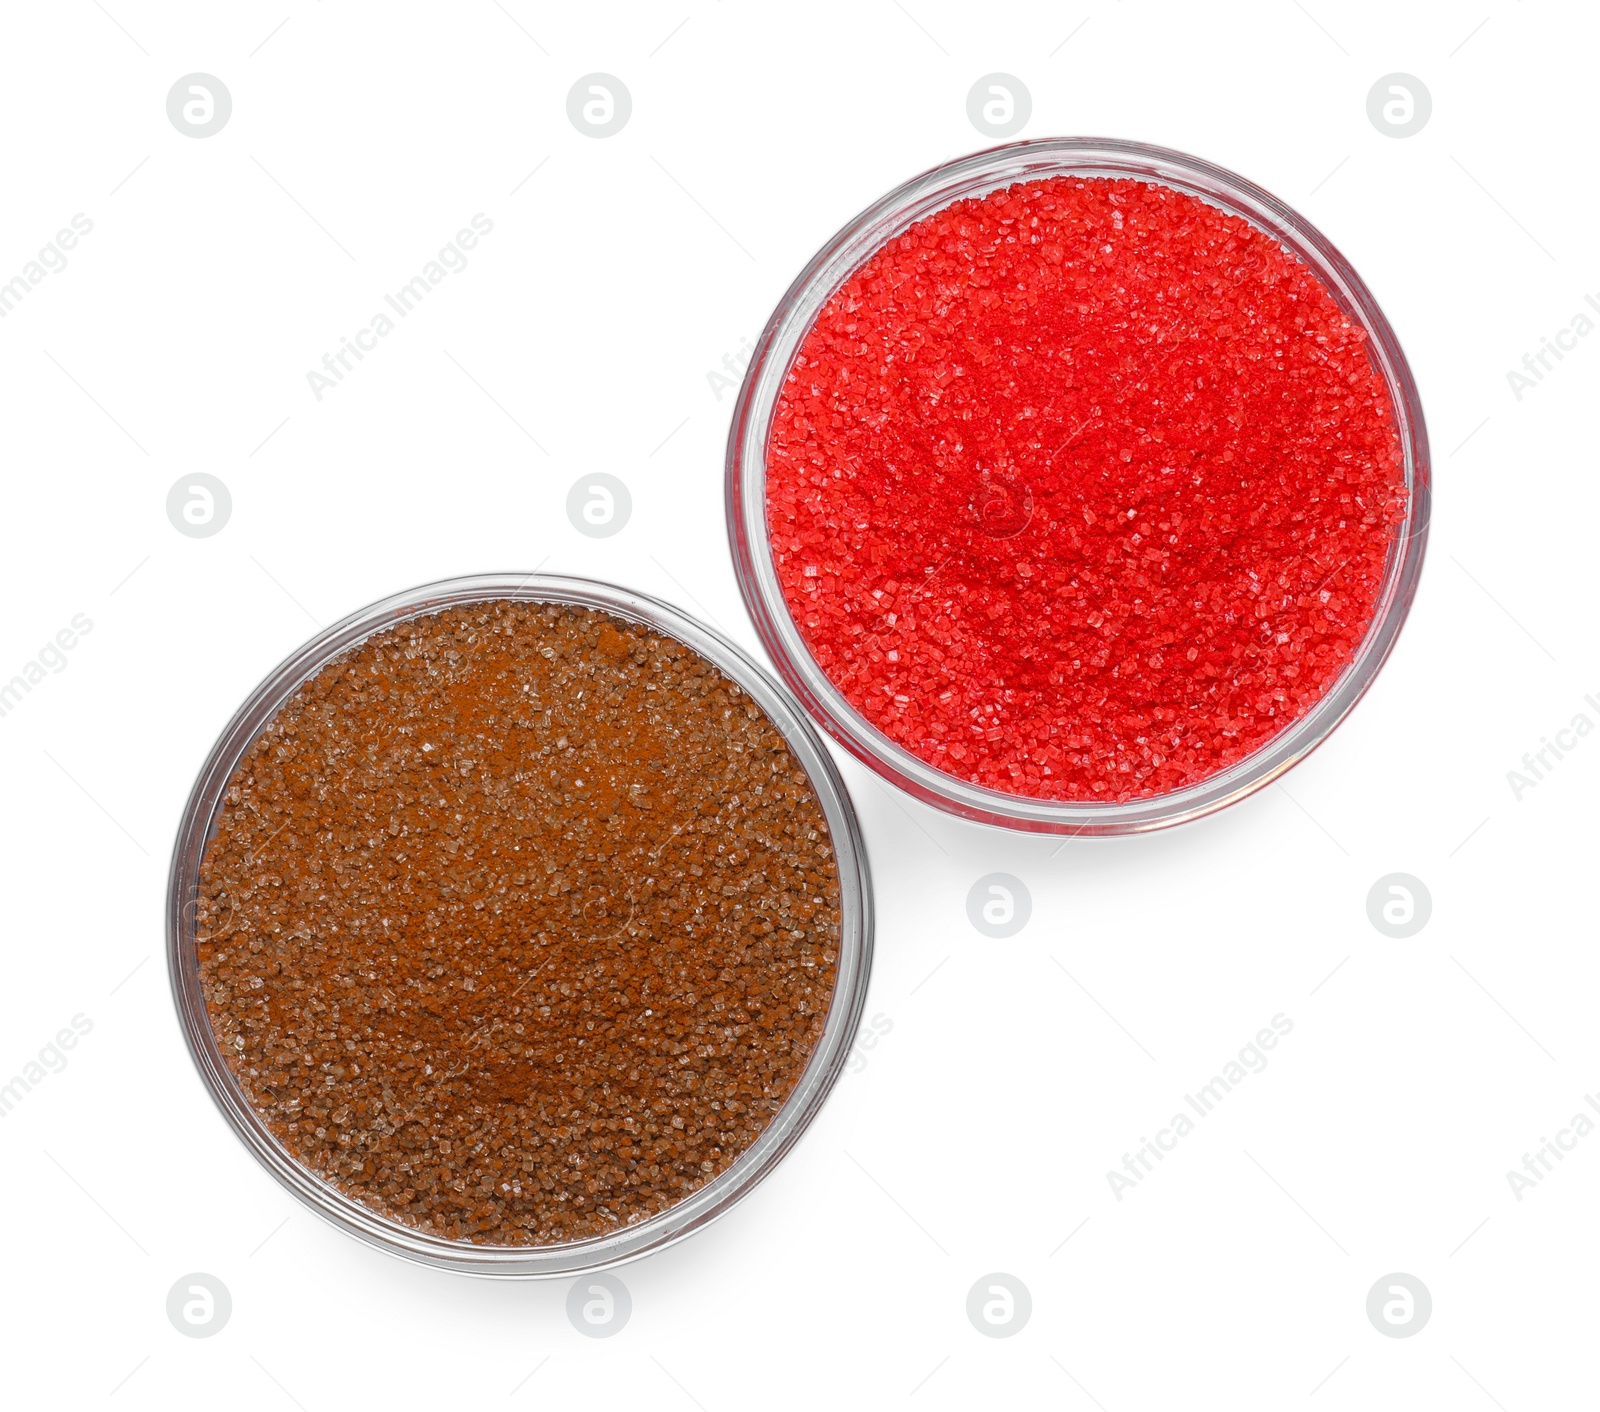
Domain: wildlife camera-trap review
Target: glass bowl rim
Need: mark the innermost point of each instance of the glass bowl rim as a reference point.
(716, 1197)
(977, 174)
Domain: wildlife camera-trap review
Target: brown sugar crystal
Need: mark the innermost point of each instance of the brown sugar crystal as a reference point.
(519, 923)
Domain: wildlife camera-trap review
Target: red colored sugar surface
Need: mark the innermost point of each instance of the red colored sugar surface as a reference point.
(1083, 490)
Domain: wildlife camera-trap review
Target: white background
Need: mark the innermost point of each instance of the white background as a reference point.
(978, 1135)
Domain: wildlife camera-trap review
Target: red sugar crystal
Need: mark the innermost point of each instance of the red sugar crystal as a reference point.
(1083, 490)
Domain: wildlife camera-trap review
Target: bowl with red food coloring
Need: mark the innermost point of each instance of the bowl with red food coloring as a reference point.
(1078, 486)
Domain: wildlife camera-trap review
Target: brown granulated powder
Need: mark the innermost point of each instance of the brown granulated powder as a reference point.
(519, 924)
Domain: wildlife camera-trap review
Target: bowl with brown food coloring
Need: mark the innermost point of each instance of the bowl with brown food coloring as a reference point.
(519, 924)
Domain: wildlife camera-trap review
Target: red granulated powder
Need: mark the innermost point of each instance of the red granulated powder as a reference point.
(1083, 490)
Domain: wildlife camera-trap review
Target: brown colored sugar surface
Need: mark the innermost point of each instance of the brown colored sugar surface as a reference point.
(519, 924)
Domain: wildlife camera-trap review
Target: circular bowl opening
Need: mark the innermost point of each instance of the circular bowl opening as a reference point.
(976, 176)
(704, 1205)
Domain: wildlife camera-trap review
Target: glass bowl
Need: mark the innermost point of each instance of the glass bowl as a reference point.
(975, 176)
(710, 1201)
